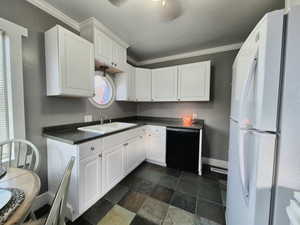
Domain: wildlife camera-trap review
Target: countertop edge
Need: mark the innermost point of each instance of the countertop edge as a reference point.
(94, 136)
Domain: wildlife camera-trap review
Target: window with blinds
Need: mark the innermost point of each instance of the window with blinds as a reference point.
(4, 110)
(3, 93)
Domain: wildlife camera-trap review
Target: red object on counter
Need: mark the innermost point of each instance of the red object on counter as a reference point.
(187, 120)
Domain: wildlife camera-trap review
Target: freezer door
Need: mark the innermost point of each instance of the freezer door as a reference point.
(236, 207)
(250, 174)
(256, 74)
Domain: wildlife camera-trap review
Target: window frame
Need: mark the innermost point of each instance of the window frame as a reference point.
(13, 34)
(113, 98)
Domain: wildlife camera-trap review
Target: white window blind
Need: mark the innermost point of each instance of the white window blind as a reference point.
(3, 93)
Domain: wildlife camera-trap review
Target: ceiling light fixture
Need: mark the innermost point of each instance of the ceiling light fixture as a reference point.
(170, 9)
(163, 2)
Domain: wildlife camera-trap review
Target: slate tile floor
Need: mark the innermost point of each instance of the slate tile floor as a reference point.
(154, 195)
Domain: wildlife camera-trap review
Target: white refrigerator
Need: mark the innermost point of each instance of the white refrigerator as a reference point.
(264, 148)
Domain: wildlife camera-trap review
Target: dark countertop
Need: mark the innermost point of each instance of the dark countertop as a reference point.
(70, 134)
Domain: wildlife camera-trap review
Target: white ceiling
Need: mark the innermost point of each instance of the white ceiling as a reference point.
(204, 24)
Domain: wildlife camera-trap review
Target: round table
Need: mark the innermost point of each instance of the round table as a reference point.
(24, 180)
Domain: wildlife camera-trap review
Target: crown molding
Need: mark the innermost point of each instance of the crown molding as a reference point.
(12, 28)
(132, 61)
(45, 6)
(208, 51)
(48, 8)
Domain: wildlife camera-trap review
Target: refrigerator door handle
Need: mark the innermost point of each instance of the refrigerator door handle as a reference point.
(246, 89)
(242, 166)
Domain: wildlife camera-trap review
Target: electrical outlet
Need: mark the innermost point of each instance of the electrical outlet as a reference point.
(88, 118)
(195, 116)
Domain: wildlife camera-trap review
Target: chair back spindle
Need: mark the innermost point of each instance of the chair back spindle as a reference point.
(57, 212)
(20, 154)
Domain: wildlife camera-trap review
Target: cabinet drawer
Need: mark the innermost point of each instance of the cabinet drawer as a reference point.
(90, 148)
(121, 137)
(156, 130)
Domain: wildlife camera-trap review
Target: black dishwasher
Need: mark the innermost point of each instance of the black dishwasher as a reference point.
(183, 149)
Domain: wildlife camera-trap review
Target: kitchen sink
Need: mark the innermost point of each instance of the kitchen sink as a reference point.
(107, 127)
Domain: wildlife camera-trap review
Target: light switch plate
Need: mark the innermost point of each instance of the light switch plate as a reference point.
(88, 118)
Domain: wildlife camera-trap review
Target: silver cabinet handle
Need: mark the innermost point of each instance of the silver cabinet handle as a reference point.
(100, 155)
(126, 144)
(92, 148)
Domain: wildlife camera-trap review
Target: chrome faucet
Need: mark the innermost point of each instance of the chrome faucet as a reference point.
(103, 118)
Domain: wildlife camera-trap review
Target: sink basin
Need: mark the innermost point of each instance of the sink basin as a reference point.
(107, 128)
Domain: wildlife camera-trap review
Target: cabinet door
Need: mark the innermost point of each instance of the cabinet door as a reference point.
(135, 153)
(164, 84)
(90, 181)
(143, 84)
(125, 85)
(119, 56)
(113, 166)
(194, 82)
(141, 153)
(156, 144)
(131, 150)
(103, 48)
(153, 148)
(77, 64)
(131, 86)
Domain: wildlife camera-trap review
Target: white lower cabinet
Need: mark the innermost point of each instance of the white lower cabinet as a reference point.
(90, 176)
(156, 144)
(99, 165)
(113, 167)
(134, 153)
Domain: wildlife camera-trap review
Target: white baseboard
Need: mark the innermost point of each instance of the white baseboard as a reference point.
(40, 201)
(157, 163)
(215, 162)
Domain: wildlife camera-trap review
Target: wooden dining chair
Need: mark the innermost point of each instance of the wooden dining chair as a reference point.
(20, 154)
(58, 208)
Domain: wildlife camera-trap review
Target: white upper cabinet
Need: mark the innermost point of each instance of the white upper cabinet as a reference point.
(103, 47)
(132, 85)
(143, 85)
(164, 84)
(125, 85)
(194, 81)
(69, 64)
(119, 56)
(109, 49)
(190, 82)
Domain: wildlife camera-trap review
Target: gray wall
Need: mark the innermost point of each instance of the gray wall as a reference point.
(46, 111)
(215, 113)
(41, 110)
